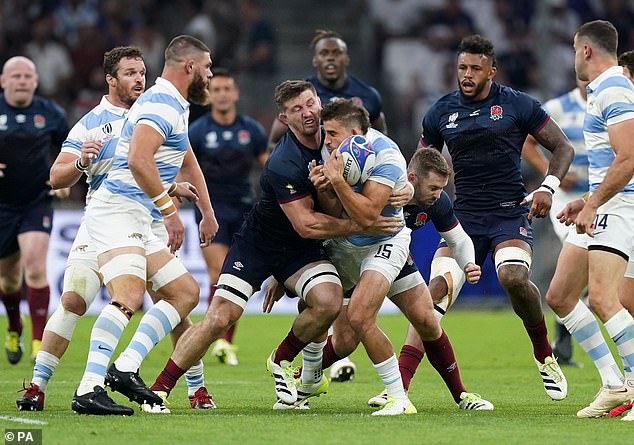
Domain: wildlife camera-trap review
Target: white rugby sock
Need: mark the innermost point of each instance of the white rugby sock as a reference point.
(45, 364)
(104, 338)
(621, 328)
(391, 377)
(155, 324)
(583, 326)
(195, 378)
(311, 362)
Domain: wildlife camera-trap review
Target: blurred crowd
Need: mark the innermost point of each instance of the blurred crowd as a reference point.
(412, 41)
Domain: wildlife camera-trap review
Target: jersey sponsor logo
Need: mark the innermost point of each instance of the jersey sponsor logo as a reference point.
(238, 265)
(3, 122)
(497, 113)
(39, 121)
(20, 118)
(291, 188)
(227, 135)
(244, 137)
(451, 123)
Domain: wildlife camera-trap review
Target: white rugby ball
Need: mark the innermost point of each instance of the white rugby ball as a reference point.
(358, 159)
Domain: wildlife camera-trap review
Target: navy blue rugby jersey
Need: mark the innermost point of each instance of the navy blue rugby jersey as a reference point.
(30, 139)
(227, 155)
(284, 179)
(485, 141)
(354, 89)
(440, 213)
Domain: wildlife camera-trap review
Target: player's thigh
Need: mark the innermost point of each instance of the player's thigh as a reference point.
(605, 274)
(9, 228)
(315, 281)
(416, 304)
(245, 268)
(81, 274)
(34, 249)
(124, 272)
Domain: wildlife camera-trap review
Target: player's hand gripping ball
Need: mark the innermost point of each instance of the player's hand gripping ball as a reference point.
(358, 159)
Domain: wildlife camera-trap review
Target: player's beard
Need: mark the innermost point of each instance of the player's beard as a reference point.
(479, 87)
(197, 91)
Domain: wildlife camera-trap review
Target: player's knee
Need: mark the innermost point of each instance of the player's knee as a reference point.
(360, 320)
(74, 303)
(188, 294)
(326, 301)
(513, 277)
(345, 345)
(217, 321)
(10, 284)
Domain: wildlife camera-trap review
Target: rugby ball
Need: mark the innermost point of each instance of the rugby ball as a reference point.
(358, 159)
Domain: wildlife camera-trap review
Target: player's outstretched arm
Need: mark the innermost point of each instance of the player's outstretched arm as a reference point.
(315, 225)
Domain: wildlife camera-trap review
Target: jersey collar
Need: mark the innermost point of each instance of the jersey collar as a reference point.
(604, 75)
(108, 106)
(164, 83)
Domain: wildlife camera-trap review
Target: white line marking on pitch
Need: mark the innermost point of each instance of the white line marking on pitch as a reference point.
(21, 420)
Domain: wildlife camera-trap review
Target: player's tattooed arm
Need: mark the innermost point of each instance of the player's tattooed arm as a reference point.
(554, 140)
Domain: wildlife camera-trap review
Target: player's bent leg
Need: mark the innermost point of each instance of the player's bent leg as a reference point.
(226, 308)
(512, 262)
(626, 291)
(446, 280)
(339, 346)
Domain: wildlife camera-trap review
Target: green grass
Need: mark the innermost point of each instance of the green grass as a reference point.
(495, 359)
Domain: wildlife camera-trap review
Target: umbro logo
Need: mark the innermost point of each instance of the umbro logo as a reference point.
(475, 113)
(238, 265)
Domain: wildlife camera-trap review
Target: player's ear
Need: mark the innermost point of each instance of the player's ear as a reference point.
(492, 72)
(282, 117)
(314, 61)
(110, 80)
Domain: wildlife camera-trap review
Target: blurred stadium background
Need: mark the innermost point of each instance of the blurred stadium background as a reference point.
(405, 48)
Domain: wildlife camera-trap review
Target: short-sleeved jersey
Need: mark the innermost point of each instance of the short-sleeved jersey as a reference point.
(227, 155)
(284, 179)
(30, 138)
(390, 169)
(485, 139)
(362, 93)
(610, 101)
(569, 111)
(103, 123)
(440, 213)
(163, 108)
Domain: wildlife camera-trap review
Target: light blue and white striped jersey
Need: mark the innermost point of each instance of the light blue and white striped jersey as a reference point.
(610, 101)
(102, 123)
(569, 111)
(390, 169)
(163, 108)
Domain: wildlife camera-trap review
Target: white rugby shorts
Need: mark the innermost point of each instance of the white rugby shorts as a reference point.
(386, 257)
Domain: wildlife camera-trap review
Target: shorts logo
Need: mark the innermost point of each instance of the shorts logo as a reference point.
(244, 137)
(523, 231)
(496, 112)
(238, 265)
(81, 248)
(421, 219)
(136, 235)
(39, 121)
(46, 222)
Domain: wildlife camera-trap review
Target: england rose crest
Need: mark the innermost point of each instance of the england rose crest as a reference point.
(496, 112)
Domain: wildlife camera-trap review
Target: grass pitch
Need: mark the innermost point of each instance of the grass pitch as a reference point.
(495, 360)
